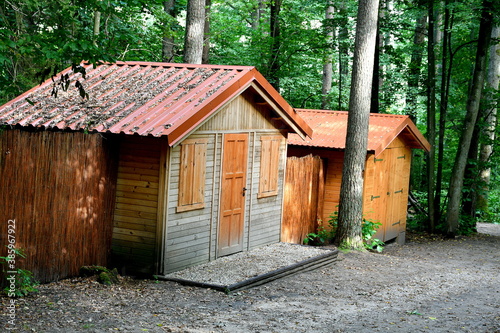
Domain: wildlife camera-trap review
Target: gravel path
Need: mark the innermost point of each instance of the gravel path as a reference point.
(428, 285)
(236, 268)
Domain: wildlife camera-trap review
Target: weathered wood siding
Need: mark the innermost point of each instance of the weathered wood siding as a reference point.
(304, 184)
(137, 210)
(191, 236)
(188, 232)
(59, 188)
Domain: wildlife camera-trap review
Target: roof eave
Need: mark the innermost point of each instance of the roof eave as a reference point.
(254, 79)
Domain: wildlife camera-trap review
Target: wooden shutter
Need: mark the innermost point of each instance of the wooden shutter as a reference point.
(192, 174)
(269, 165)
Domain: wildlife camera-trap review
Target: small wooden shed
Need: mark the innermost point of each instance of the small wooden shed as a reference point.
(386, 175)
(188, 159)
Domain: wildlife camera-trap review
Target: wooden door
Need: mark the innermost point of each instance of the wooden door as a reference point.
(233, 190)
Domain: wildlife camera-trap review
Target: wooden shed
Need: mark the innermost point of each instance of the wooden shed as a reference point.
(170, 165)
(386, 175)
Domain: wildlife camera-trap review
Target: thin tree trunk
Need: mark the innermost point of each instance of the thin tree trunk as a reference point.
(167, 51)
(456, 182)
(206, 33)
(195, 24)
(343, 42)
(431, 116)
(274, 63)
(351, 194)
(443, 106)
(376, 79)
(415, 64)
(257, 14)
(488, 134)
(413, 92)
(328, 66)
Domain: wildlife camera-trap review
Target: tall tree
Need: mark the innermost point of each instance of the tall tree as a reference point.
(431, 116)
(274, 59)
(328, 66)
(206, 33)
(443, 104)
(486, 149)
(351, 194)
(195, 27)
(472, 110)
(168, 42)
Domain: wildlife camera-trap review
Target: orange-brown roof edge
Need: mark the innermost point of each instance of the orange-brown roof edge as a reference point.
(418, 135)
(408, 125)
(283, 104)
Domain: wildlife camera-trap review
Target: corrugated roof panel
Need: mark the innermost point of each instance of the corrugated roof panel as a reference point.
(330, 130)
(142, 98)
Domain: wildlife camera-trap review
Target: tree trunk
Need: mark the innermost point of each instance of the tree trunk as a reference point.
(167, 51)
(343, 42)
(195, 24)
(443, 107)
(328, 67)
(274, 62)
(473, 101)
(376, 79)
(206, 33)
(257, 14)
(351, 194)
(414, 67)
(488, 134)
(470, 176)
(431, 116)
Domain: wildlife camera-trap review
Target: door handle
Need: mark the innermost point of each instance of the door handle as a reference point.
(244, 190)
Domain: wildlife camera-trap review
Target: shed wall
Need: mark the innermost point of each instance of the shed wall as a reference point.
(137, 208)
(386, 189)
(59, 188)
(191, 237)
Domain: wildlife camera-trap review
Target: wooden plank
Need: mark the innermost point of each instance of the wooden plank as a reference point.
(135, 214)
(136, 189)
(137, 170)
(135, 195)
(137, 202)
(132, 232)
(134, 208)
(150, 227)
(132, 176)
(137, 183)
(140, 165)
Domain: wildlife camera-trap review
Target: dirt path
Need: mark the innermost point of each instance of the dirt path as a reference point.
(427, 285)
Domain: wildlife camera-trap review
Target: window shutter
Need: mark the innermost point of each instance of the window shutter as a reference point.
(269, 165)
(192, 174)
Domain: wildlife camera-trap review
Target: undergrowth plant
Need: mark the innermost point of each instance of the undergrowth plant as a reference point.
(24, 281)
(324, 236)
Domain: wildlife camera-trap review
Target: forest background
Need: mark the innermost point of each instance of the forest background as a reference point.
(425, 66)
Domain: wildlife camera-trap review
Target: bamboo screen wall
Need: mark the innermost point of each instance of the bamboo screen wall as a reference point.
(303, 203)
(59, 188)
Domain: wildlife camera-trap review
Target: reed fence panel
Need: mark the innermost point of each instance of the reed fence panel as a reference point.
(59, 187)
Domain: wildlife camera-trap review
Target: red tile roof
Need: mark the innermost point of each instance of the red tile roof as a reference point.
(158, 99)
(330, 128)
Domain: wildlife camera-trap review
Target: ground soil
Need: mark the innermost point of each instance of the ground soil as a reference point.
(429, 284)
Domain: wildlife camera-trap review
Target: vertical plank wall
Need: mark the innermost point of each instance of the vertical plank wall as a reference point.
(305, 185)
(59, 188)
(386, 189)
(136, 210)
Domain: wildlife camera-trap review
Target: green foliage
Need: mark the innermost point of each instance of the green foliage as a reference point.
(368, 230)
(324, 236)
(24, 281)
